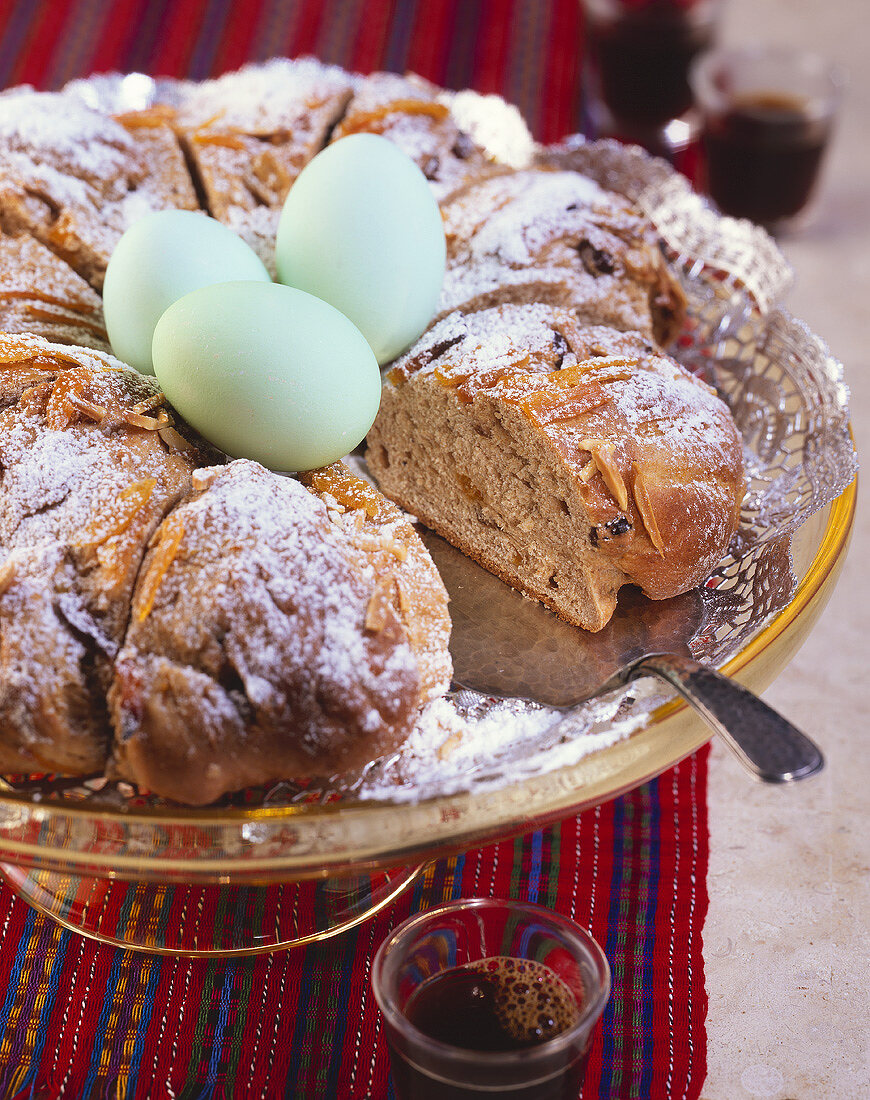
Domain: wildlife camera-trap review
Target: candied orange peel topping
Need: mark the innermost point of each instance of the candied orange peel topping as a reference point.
(72, 399)
(553, 405)
(40, 314)
(607, 368)
(228, 141)
(351, 492)
(25, 350)
(379, 117)
(69, 401)
(130, 502)
(169, 539)
(71, 303)
(147, 117)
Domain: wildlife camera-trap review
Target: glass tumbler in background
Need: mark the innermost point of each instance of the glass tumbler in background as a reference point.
(487, 996)
(636, 68)
(767, 115)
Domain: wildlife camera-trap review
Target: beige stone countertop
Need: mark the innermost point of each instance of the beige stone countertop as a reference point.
(786, 941)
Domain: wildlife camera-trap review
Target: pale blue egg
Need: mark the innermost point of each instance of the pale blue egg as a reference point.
(361, 229)
(268, 372)
(159, 259)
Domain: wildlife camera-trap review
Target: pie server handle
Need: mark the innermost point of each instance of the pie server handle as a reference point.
(765, 743)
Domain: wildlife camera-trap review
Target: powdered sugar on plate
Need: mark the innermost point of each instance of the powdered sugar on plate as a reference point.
(473, 742)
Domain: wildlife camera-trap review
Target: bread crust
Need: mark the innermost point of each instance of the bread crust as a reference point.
(41, 294)
(542, 235)
(248, 134)
(275, 632)
(98, 477)
(384, 536)
(74, 177)
(416, 116)
(87, 477)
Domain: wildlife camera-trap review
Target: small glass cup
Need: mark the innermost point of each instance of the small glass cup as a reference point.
(563, 968)
(767, 116)
(636, 69)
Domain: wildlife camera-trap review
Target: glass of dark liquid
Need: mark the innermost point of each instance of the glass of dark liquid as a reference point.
(767, 115)
(636, 68)
(487, 996)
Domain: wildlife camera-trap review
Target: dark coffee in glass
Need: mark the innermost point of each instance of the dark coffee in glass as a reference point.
(763, 157)
(767, 118)
(638, 56)
(489, 997)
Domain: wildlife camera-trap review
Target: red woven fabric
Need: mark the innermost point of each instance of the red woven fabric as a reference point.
(527, 52)
(80, 1020)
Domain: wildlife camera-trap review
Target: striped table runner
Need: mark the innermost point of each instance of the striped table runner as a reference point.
(80, 1020)
(85, 1021)
(525, 50)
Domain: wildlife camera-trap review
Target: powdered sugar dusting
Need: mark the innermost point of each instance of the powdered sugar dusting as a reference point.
(261, 98)
(31, 625)
(46, 179)
(480, 345)
(685, 413)
(262, 569)
(417, 117)
(28, 269)
(451, 743)
(497, 126)
(539, 235)
(76, 178)
(473, 742)
(46, 468)
(54, 128)
(513, 216)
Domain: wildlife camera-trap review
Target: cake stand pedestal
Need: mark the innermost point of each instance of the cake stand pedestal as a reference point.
(210, 921)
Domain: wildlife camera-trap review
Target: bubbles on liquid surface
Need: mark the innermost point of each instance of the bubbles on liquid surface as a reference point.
(532, 1002)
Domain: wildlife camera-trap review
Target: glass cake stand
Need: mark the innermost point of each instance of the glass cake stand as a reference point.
(246, 881)
(273, 872)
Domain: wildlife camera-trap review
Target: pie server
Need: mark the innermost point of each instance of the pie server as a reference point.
(506, 645)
